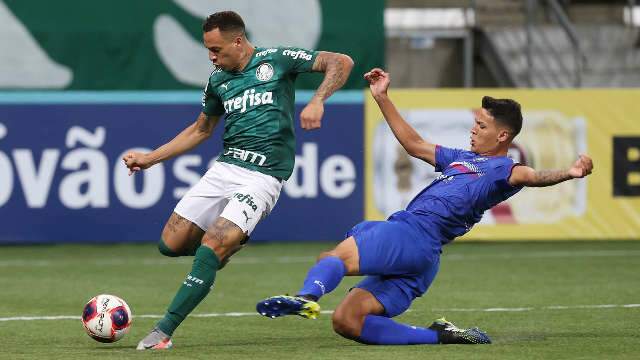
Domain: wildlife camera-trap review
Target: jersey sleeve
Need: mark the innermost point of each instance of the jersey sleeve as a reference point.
(297, 60)
(445, 156)
(211, 103)
(502, 173)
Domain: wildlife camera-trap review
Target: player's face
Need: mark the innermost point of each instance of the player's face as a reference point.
(485, 133)
(224, 49)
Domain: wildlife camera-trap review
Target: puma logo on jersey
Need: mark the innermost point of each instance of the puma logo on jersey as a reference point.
(225, 86)
(249, 99)
(244, 212)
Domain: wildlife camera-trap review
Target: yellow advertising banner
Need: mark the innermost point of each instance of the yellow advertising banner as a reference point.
(558, 125)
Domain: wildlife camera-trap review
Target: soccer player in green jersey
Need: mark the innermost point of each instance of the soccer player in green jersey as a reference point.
(254, 89)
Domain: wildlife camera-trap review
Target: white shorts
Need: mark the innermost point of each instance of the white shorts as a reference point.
(241, 196)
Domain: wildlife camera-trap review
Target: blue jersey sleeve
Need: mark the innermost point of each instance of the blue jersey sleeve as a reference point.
(502, 173)
(445, 156)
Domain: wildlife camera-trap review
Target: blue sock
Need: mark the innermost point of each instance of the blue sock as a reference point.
(323, 277)
(379, 330)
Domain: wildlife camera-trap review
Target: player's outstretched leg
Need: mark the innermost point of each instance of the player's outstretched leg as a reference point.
(193, 290)
(219, 242)
(321, 279)
(361, 317)
(380, 330)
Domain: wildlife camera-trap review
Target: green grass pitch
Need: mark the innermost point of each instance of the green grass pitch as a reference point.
(543, 300)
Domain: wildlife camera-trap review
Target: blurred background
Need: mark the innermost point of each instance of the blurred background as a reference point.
(83, 82)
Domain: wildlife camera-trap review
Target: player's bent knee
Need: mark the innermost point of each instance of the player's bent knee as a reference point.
(224, 237)
(324, 255)
(225, 261)
(346, 326)
(167, 251)
(164, 249)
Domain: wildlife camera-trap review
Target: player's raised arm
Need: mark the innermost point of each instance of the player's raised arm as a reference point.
(186, 140)
(410, 140)
(526, 176)
(336, 68)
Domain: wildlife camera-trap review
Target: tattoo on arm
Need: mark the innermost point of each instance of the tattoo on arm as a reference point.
(336, 71)
(549, 177)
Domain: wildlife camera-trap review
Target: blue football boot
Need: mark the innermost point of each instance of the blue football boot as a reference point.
(282, 305)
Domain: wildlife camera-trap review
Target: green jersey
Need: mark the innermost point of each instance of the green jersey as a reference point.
(258, 103)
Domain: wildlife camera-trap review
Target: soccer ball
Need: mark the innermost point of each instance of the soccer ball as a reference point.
(106, 318)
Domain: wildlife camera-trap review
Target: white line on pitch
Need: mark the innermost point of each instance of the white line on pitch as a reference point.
(153, 261)
(239, 314)
(149, 316)
(309, 259)
(552, 307)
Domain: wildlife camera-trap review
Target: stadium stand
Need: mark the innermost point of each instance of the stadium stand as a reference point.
(567, 43)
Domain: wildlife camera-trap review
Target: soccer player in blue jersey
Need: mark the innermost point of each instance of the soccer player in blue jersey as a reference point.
(401, 255)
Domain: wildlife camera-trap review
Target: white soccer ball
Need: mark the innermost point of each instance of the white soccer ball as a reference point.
(106, 318)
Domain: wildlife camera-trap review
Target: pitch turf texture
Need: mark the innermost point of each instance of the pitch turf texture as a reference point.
(536, 300)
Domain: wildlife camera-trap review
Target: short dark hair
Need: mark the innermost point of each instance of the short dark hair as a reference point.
(505, 111)
(225, 21)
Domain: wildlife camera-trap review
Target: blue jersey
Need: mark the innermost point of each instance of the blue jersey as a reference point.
(469, 185)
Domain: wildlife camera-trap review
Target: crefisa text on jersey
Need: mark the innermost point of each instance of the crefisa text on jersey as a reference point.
(255, 99)
(297, 54)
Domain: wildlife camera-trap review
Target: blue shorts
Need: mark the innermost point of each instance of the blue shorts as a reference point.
(399, 259)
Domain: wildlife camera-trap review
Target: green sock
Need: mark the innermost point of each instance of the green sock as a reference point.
(195, 287)
(164, 250)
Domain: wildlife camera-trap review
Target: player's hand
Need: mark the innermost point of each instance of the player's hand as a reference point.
(582, 167)
(378, 81)
(311, 115)
(136, 161)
